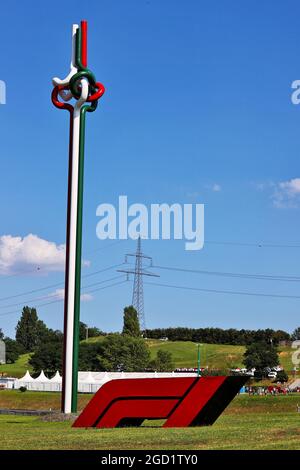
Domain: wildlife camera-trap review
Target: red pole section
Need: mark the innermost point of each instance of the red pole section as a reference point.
(84, 43)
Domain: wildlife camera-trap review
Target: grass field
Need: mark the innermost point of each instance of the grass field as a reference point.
(14, 399)
(184, 353)
(215, 356)
(19, 368)
(248, 423)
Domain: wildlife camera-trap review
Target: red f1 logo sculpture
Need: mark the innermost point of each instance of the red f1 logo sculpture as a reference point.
(183, 402)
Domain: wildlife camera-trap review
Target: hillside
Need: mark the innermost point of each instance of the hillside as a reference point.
(184, 353)
(18, 369)
(215, 356)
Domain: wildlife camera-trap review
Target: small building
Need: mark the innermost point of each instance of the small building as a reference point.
(2, 352)
(7, 383)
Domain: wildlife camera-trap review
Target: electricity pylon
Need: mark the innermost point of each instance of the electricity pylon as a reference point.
(138, 288)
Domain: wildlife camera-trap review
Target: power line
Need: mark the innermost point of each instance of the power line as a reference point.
(254, 244)
(264, 277)
(19, 273)
(169, 268)
(50, 286)
(104, 247)
(102, 270)
(60, 300)
(102, 282)
(111, 285)
(39, 269)
(26, 302)
(216, 291)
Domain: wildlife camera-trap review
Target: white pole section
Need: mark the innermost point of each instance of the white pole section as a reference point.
(72, 247)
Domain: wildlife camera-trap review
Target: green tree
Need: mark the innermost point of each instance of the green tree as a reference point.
(30, 331)
(89, 356)
(48, 356)
(163, 361)
(260, 355)
(90, 331)
(1, 334)
(82, 330)
(94, 331)
(281, 377)
(13, 350)
(123, 352)
(296, 334)
(131, 325)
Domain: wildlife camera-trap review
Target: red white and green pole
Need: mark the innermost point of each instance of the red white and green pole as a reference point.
(81, 85)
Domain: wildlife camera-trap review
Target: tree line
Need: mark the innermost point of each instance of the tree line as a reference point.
(221, 336)
(32, 333)
(127, 351)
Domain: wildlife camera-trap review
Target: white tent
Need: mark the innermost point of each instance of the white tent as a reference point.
(87, 384)
(56, 383)
(57, 379)
(42, 382)
(26, 381)
(42, 378)
(27, 378)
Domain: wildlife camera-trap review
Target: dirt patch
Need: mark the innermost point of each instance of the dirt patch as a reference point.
(59, 417)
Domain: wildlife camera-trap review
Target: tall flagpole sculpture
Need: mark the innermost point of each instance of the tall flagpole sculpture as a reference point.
(81, 85)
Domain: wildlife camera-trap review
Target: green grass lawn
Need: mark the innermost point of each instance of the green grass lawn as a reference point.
(19, 368)
(215, 356)
(248, 423)
(14, 399)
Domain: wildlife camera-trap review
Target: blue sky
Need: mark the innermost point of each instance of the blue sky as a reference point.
(198, 98)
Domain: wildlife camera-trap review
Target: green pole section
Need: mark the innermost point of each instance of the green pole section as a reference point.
(198, 360)
(84, 109)
(78, 50)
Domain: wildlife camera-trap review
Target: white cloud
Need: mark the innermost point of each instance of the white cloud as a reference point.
(291, 187)
(86, 297)
(60, 295)
(19, 254)
(263, 185)
(287, 194)
(216, 187)
(284, 194)
(193, 194)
